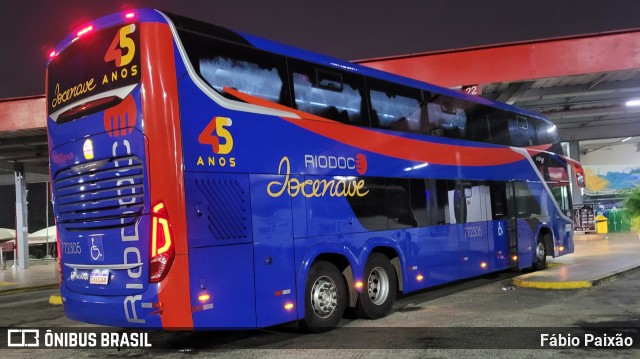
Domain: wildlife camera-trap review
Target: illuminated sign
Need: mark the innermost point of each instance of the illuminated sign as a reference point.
(96, 63)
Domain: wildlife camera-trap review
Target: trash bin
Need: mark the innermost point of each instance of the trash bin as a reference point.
(601, 224)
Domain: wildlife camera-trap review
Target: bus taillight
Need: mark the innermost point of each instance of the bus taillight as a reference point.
(162, 250)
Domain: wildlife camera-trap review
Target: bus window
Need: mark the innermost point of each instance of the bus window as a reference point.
(370, 210)
(522, 133)
(247, 70)
(424, 202)
(526, 203)
(546, 132)
(329, 94)
(478, 129)
(499, 128)
(442, 194)
(396, 107)
(398, 207)
(499, 198)
(447, 116)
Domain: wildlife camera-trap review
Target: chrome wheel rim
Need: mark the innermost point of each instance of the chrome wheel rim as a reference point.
(324, 297)
(540, 252)
(378, 285)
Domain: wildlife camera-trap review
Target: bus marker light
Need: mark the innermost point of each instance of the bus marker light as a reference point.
(514, 258)
(85, 30)
(419, 277)
(148, 305)
(282, 292)
(204, 297)
(561, 249)
(359, 284)
(202, 307)
(483, 265)
(129, 15)
(53, 54)
(288, 306)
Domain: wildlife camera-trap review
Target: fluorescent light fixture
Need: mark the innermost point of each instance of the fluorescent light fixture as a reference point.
(344, 178)
(416, 167)
(633, 103)
(626, 139)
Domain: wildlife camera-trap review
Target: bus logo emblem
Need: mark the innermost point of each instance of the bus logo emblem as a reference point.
(216, 130)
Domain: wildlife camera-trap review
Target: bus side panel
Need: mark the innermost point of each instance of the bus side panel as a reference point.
(499, 253)
(526, 241)
(225, 274)
(220, 250)
(439, 248)
(273, 253)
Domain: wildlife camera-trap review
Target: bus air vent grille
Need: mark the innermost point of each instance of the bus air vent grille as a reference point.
(100, 194)
(226, 208)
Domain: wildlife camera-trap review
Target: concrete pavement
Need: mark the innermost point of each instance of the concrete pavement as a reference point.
(596, 259)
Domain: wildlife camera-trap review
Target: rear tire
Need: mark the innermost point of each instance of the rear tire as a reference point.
(540, 262)
(325, 298)
(379, 288)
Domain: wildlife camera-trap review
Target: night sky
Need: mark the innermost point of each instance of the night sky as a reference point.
(349, 29)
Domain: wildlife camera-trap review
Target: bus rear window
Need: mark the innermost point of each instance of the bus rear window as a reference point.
(93, 67)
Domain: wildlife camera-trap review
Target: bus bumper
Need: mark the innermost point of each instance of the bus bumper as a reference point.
(139, 311)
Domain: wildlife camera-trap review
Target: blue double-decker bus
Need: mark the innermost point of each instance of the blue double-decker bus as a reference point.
(205, 178)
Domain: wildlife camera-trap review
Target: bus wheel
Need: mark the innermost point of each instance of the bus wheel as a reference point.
(541, 255)
(379, 288)
(325, 297)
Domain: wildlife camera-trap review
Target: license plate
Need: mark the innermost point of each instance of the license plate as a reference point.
(99, 277)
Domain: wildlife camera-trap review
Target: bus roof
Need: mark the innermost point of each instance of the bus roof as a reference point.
(151, 15)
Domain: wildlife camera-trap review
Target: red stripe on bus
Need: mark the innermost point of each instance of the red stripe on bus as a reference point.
(164, 163)
(391, 145)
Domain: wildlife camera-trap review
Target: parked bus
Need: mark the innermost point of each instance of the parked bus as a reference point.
(205, 178)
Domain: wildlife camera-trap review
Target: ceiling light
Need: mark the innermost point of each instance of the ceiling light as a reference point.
(626, 139)
(633, 103)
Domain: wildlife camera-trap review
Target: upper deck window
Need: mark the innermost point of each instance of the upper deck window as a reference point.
(447, 116)
(329, 94)
(223, 64)
(244, 76)
(397, 108)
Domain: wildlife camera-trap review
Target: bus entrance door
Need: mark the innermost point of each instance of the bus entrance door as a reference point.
(512, 225)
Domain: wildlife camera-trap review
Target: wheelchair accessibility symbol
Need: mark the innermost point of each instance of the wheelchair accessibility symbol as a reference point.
(500, 230)
(96, 249)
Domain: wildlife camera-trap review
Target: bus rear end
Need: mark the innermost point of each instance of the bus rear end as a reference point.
(123, 259)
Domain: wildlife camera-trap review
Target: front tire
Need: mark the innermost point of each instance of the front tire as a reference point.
(379, 288)
(325, 298)
(541, 255)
